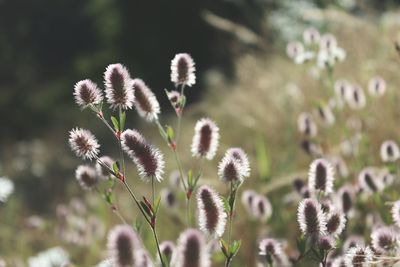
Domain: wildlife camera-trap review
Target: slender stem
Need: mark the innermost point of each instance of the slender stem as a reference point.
(180, 116)
(114, 209)
(188, 211)
(158, 246)
(153, 189)
(178, 162)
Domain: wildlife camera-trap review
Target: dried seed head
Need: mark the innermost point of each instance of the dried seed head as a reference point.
(147, 158)
(262, 208)
(205, 139)
(273, 250)
(320, 176)
(230, 170)
(355, 97)
(86, 176)
(119, 87)
(306, 124)
(102, 171)
(293, 49)
(122, 244)
(87, 93)
(328, 42)
(192, 250)
(311, 36)
(359, 257)
(146, 102)
(368, 181)
(335, 222)
(167, 249)
(182, 70)
(377, 86)
(83, 143)
(311, 219)
(212, 216)
(390, 151)
(243, 159)
(326, 243)
(168, 198)
(396, 213)
(353, 241)
(384, 240)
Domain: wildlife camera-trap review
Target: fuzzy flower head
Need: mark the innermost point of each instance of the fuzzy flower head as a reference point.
(169, 199)
(104, 171)
(230, 170)
(335, 222)
(306, 124)
(396, 213)
(273, 251)
(359, 257)
(311, 36)
(119, 87)
(321, 176)
(368, 181)
(390, 151)
(238, 154)
(83, 143)
(192, 250)
(143, 258)
(325, 114)
(205, 139)
(262, 208)
(311, 218)
(248, 199)
(294, 49)
(87, 93)
(183, 70)
(328, 42)
(353, 241)
(384, 240)
(212, 216)
(167, 249)
(326, 242)
(339, 165)
(341, 87)
(377, 86)
(86, 176)
(355, 97)
(147, 158)
(122, 245)
(146, 102)
(345, 198)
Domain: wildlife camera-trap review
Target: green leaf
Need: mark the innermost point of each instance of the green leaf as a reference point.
(157, 205)
(262, 158)
(115, 167)
(226, 205)
(190, 178)
(170, 133)
(122, 118)
(301, 245)
(235, 248)
(146, 208)
(138, 225)
(224, 247)
(115, 123)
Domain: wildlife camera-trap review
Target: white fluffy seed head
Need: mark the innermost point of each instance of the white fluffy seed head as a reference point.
(191, 250)
(262, 208)
(146, 102)
(353, 241)
(169, 199)
(272, 249)
(306, 124)
(86, 177)
(83, 143)
(118, 87)
(345, 197)
(311, 36)
(212, 216)
(311, 218)
(321, 176)
(355, 97)
(335, 222)
(389, 151)
(102, 171)
(87, 93)
(384, 240)
(122, 245)
(243, 159)
(183, 70)
(328, 42)
(396, 213)
(293, 49)
(230, 170)
(325, 115)
(359, 257)
(377, 86)
(248, 199)
(147, 158)
(368, 181)
(168, 250)
(206, 139)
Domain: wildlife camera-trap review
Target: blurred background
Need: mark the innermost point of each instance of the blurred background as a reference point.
(245, 82)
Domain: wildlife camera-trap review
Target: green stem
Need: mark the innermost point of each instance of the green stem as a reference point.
(180, 116)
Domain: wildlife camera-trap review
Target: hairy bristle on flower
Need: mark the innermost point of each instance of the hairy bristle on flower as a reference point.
(168, 198)
(311, 36)
(306, 124)
(262, 208)
(396, 213)
(272, 249)
(83, 143)
(243, 159)
(205, 139)
(146, 102)
(230, 170)
(377, 86)
(119, 87)
(167, 249)
(346, 195)
(86, 176)
(339, 262)
(355, 97)
(122, 244)
(183, 70)
(293, 49)
(311, 219)
(212, 216)
(353, 241)
(321, 176)
(359, 257)
(87, 93)
(247, 199)
(335, 222)
(192, 250)
(328, 42)
(148, 159)
(326, 243)
(103, 166)
(390, 151)
(384, 240)
(368, 181)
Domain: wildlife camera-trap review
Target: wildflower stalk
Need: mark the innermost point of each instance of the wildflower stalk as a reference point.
(232, 200)
(182, 106)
